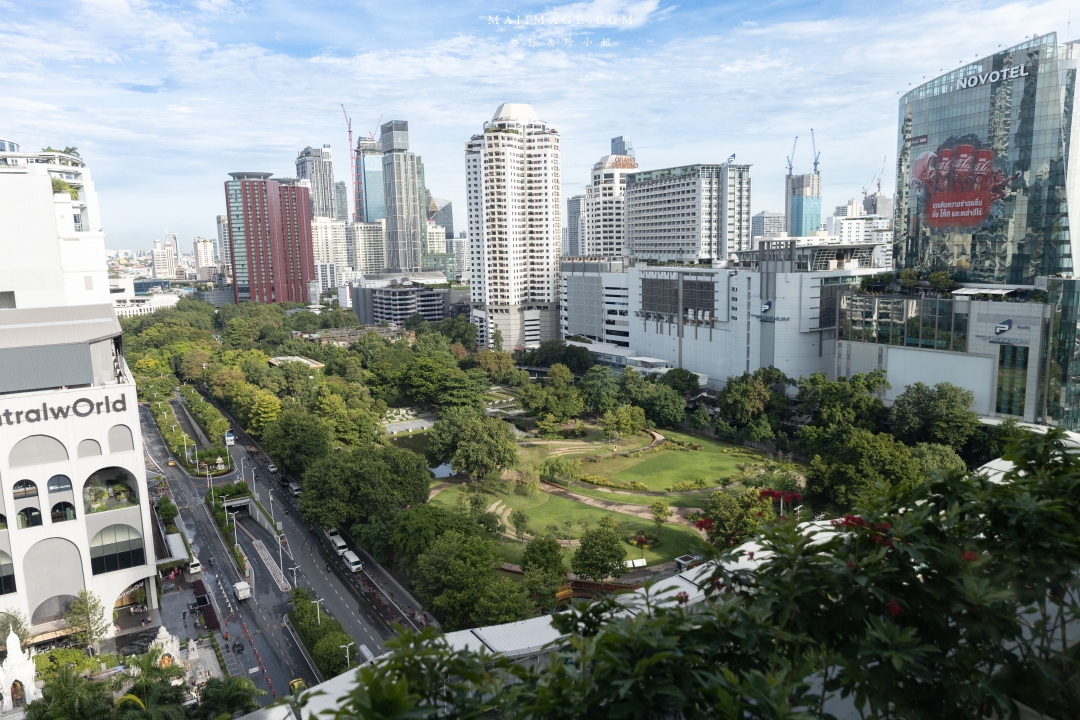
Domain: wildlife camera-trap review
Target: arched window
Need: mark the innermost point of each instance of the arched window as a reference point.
(120, 439)
(3, 521)
(24, 489)
(63, 511)
(7, 574)
(37, 450)
(117, 547)
(89, 448)
(109, 489)
(29, 517)
(59, 483)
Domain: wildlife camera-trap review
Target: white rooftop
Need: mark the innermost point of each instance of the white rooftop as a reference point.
(519, 638)
(516, 111)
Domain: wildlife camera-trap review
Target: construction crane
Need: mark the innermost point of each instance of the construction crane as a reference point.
(816, 153)
(371, 133)
(352, 161)
(791, 158)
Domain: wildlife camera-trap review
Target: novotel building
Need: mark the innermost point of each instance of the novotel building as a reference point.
(987, 172)
(74, 513)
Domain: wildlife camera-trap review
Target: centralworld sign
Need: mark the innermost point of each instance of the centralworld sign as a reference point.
(83, 407)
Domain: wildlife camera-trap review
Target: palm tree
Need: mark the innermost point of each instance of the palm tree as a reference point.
(152, 695)
(69, 695)
(228, 696)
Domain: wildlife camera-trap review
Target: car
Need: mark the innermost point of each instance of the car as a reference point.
(283, 481)
(172, 463)
(272, 468)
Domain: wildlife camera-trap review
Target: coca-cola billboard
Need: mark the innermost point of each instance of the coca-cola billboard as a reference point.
(958, 184)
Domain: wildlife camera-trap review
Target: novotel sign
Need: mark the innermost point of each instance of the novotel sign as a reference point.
(1016, 71)
(83, 407)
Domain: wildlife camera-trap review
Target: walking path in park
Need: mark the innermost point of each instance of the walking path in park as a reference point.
(569, 447)
(641, 511)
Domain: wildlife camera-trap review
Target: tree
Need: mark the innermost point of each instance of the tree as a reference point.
(599, 390)
(856, 462)
(681, 381)
(151, 694)
(265, 409)
(700, 419)
(497, 340)
(503, 601)
(548, 426)
(559, 467)
(423, 378)
(733, 518)
(632, 387)
(665, 406)
(454, 574)
(941, 414)
(908, 279)
(416, 528)
(940, 281)
(192, 364)
(936, 458)
(67, 694)
(520, 520)
(296, 440)
(742, 400)
(499, 366)
(356, 484)
(623, 422)
(329, 656)
(661, 512)
(227, 696)
(843, 402)
(13, 620)
(85, 617)
(599, 555)
(544, 555)
(484, 446)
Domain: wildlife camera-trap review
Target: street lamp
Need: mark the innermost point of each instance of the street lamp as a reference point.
(236, 536)
(294, 569)
(346, 647)
(270, 494)
(280, 557)
(318, 612)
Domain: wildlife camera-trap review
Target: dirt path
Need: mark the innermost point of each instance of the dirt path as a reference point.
(641, 511)
(435, 490)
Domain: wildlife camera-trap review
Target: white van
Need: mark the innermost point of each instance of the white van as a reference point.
(366, 653)
(339, 545)
(352, 561)
(294, 488)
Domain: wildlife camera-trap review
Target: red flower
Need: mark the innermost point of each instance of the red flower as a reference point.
(970, 556)
(683, 598)
(717, 584)
(893, 607)
(704, 524)
(750, 554)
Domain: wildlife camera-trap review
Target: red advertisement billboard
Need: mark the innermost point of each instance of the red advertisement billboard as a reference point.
(958, 183)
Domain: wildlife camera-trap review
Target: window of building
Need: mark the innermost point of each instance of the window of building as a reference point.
(24, 489)
(7, 574)
(117, 547)
(1012, 380)
(59, 483)
(29, 517)
(62, 512)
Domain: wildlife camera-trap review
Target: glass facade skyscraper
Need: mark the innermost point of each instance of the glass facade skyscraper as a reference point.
(982, 168)
(370, 197)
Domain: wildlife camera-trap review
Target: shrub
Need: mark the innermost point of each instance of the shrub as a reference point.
(604, 482)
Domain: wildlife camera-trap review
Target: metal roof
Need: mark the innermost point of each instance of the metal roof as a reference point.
(36, 327)
(519, 638)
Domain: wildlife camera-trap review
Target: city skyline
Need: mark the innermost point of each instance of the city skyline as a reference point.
(174, 76)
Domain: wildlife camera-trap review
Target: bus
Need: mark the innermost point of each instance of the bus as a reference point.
(230, 439)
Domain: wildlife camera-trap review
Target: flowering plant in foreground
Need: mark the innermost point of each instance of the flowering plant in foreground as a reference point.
(947, 599)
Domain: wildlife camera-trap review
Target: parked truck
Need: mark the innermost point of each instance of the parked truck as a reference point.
(242, 590)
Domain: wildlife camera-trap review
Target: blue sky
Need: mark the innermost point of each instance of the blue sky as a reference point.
(163, 99)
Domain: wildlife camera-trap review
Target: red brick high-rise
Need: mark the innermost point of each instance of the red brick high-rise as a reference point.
(270, 236)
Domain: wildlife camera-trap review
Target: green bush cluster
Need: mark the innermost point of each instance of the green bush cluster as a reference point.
(697, 484)
(605, 482)
(171, 431)
(205, 414)
(49, 663)
(321, 634)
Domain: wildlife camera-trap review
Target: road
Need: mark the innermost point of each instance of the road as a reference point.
(263, 614)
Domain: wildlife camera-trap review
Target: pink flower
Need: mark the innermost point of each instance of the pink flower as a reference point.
(893, 607)
(750, 554)
(683, 598)
(717, 585)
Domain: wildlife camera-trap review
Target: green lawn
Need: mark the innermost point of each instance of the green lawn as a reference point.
(547, 509)
(630, 498)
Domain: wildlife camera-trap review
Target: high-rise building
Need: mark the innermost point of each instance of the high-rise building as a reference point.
(767, 225)
(442, 213)
(878, 203)
(224, 252)
(205, 267)
(370, 190)
(52, 244)
(329, 243)
(436, 238)
(853, 208)
(603, 233)
(461, 255)
(575, 216)
(405, 193)
(367, 246)
(164, 258)
(317, 167)
(513, 181)
(270, 235)
(802, 203)
(341, 201)
(326, 276)
(622, 145)
(689, 214)
(74, 493)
